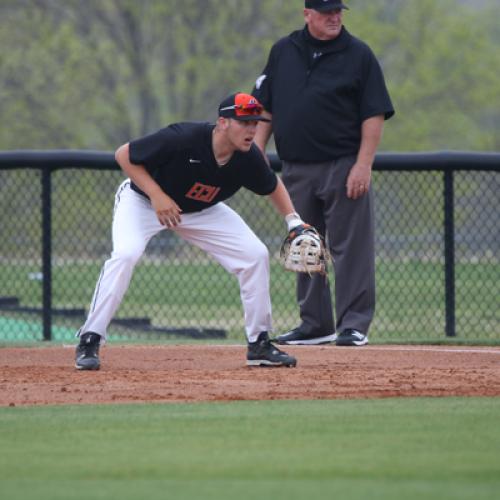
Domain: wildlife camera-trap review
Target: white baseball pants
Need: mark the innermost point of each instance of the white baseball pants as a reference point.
(218, 230)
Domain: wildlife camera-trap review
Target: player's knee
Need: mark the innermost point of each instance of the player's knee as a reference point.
(258, 253)
(129, 255)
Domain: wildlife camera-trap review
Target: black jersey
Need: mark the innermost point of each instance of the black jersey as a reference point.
(180, 159)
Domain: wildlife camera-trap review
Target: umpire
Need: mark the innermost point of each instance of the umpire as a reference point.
(325, 93)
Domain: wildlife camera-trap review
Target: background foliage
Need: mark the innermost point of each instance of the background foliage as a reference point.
(94, 73)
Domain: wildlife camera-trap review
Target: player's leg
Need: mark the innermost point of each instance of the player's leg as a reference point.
(134, 224)
(222, 233)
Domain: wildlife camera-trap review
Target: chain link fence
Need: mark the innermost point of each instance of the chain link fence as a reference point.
(438, 272)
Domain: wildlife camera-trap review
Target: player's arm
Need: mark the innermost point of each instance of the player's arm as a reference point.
(283, 204)
(167, 211)
(263, 134)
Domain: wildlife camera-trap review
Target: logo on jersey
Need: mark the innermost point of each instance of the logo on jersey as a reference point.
(192, 160)
(202, 192)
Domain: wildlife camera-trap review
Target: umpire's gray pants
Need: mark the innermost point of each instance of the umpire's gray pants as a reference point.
(319, 193)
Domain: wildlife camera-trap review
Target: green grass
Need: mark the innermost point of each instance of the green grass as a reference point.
(410, 298)
(378, 449)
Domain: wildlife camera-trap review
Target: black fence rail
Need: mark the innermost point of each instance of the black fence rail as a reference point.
(437, 238)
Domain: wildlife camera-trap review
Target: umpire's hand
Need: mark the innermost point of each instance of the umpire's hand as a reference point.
(358, 180)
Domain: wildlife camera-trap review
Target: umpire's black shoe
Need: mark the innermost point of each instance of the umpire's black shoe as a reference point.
(305, 336)
(264, 353)
(351, 337)
(87, 352)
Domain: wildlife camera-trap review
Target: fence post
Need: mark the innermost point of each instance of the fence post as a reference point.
(47, 252)
(449, 252)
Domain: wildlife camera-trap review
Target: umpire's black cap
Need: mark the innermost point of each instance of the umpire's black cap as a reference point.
(325, 5)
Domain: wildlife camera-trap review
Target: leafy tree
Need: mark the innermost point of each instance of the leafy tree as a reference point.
(121, 68)
(95, 73)
(440, 61)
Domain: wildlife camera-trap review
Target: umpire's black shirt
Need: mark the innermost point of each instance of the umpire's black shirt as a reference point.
(319, 93)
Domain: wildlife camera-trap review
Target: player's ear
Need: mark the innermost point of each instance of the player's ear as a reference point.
(223, 123)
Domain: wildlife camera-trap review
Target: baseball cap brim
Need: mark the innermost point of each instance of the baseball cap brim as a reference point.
(254, 118)
(326, 8)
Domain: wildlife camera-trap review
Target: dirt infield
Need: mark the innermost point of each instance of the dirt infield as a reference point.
(46, 376)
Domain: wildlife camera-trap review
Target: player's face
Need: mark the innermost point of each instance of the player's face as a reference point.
(241, 134)
(324, 25)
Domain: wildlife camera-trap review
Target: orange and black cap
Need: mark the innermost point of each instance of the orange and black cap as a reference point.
(242, 107)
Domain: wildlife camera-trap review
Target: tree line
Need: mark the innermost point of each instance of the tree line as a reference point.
(93, 74)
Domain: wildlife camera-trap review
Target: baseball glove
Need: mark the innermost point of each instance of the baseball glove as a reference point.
(303, 251)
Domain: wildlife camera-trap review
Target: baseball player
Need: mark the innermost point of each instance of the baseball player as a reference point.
(178, 178)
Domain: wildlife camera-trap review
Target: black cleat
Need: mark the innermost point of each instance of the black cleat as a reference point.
(264, 353)
(302, 336)
(351, 337)
(87, 352)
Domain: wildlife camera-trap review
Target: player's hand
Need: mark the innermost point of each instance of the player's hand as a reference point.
(167, 211)
(358, 180)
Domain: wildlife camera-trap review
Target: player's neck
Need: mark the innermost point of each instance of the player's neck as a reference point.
(222, 148)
